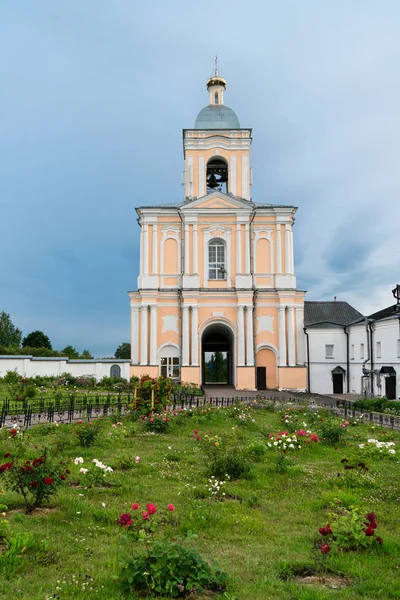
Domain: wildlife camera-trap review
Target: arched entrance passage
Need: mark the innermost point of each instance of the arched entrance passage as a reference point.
(217, 351)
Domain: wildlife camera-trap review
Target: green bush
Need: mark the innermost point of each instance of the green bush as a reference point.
(331, 432)
(12, 377)
(157, 423)
(86, 432)
(233, 462)
(170, 569)
(382, 405)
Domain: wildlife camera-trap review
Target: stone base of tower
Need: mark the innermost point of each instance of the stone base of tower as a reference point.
(191, 375)
(140, 370)
(245, 378)
(292, 378)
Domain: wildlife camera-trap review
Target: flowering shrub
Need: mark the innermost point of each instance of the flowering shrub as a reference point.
(243, 414)
(86, 432)
(350, 530)
(284, 441)
(224, 458)
(94, 473)
(379, 449)
(157, 423)
(162, 387)
(161, 567)
(36, 480)
(355, 474)
(216, 488)
(332, 432)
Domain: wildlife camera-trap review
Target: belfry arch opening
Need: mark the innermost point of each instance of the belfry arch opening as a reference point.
(217, 175)
(217, 351)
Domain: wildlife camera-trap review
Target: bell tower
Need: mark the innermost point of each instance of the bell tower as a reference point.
(217, 149)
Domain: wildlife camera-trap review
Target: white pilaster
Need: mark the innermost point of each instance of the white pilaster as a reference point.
(144, 335)
(195, 340)
(202, 177)
(195, 251)
(155, 251)
(238, 249)
(249, 337)
(247, 248)
(232, 176)
(185, 337)
(134, 334)
(240, 337)
(300, 342)
(291, 338)
(190, 176)
(282, 335)
(153, 334)
(287, 249)
(145, 249)
(291, 252)
(187, 249)
(245, 178)
(278, 249)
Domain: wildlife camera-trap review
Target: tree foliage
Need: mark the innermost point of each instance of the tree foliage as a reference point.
(86, 355)
(9, 334)
(123, 350)
(37, 339)
(71, 352)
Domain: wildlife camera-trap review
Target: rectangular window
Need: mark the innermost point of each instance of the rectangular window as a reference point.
(216, 260)
(352, 352)
(361, 351)
(170, 367)
(329, 350)
(398, 348)
(378, 350)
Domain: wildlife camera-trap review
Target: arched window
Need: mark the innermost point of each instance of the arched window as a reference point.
(216, 259)
(115, 371)
(216, 98)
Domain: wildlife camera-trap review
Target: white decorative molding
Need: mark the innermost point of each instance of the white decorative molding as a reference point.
(217, 314)
(224, 233)
(170, 323)
(232, 175)
(202, 176)
(282, 335)
(265, 323)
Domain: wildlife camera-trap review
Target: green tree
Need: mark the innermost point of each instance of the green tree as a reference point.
(9, 334)
(71, 352)
(123, 350)
(36, 339)
(86, 355)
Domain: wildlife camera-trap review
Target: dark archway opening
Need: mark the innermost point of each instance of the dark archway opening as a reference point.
(338, 380)
(217, 175)
(217, 356)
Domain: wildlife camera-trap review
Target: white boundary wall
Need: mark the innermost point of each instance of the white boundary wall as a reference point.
(30, 366)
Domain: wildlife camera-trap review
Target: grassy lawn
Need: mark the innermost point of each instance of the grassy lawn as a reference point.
(263, 533)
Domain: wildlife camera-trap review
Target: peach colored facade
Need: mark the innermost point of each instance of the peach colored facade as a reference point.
(217, 270)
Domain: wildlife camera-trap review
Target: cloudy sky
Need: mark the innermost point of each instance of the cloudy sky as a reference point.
(94, 93)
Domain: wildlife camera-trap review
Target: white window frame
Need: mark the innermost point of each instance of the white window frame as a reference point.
(168, 364)
(378, 350)
(219, 269)
(361, 351)
(329, 349)
(352, 352)
(398, 348)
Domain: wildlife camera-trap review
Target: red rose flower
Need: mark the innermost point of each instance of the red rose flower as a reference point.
(6, 466)
(48, 480)
(37, 461)
(151, 508)
(13, 432)
(68, 472)
(7, 454)
(135, 506)
(28, 468)
(171, 507)
(369, 531)
(63, 477)
(33, 484)
(314, 438)
(325, 548)
(370, 517)
(145, 515)
(379, 540)
(125, 520)
(196, 431)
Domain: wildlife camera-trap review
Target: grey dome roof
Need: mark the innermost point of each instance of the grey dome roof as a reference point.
(217, 116)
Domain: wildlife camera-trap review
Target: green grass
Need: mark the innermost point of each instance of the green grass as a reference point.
(266, 529)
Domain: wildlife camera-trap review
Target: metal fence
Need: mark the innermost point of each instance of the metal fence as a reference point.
(88, 407)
